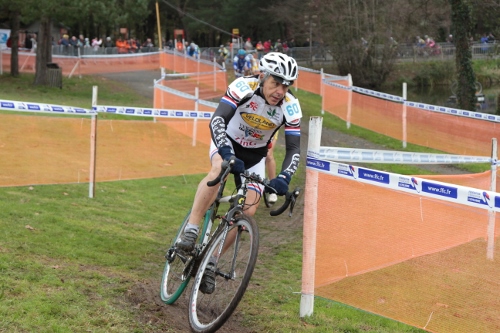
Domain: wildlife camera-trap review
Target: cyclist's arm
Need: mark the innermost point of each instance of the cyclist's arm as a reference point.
(292, 144)
(218, 123)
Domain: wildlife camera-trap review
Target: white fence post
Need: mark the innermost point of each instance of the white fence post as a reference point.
(405, 96)
(310, 221)
(195, 123)
(321, 93)
(349, 101)
(491, 214)
(93, 145)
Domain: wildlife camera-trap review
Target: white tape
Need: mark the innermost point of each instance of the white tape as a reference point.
(150, 112)
(42, 108)
(339, 154)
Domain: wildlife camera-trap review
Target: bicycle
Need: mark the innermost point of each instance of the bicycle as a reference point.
(232, 249)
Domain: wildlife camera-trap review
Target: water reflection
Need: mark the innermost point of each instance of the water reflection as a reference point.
(440, 95)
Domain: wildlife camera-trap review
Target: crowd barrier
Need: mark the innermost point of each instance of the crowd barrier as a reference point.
(72, 146)
(87, 64)
(410, 248)
(446, 129)
(194, 83)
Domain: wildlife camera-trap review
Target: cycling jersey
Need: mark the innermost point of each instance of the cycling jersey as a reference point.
(246, 122)
(240, 64)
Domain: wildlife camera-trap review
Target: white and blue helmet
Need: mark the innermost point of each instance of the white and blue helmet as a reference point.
(280, 66)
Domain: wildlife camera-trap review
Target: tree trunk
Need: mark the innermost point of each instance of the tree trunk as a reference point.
(14, 35)
(466, 79)
(43, 51)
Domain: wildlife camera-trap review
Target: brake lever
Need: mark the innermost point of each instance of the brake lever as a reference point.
(294, 196)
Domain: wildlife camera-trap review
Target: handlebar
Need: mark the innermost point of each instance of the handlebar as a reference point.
(290, 197)
(225, 169)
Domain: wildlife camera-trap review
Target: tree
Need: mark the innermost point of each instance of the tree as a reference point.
(462, 23)
(10, 10)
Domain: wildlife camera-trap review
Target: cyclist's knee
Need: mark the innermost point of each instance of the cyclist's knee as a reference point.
(216, 166)
(253, 199)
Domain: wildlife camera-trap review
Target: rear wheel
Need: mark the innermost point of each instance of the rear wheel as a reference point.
(234, 268)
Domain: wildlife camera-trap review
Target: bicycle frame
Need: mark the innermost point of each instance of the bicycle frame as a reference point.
(237, 202)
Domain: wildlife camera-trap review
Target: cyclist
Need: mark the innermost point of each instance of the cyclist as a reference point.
(241, 63)
(248, 116)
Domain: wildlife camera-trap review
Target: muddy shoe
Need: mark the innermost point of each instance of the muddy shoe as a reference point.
(207, 285)
(187, 241)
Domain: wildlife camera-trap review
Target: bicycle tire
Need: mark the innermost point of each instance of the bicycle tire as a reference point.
(208, 312)
(173, 282)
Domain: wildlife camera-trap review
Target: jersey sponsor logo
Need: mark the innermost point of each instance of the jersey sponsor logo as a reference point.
(252, 105)
(257, 121)
(250, 132)
(245, 143)
(253, 85)
(273, 114)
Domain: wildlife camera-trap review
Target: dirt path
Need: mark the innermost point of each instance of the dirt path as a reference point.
(144, 294)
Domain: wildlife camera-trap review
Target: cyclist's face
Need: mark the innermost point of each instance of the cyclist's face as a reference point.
(273, 91)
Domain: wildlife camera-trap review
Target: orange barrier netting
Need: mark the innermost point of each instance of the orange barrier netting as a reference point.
(309, 81)
(410, 258)
(207, 77)
(89, 65)
(49, 150)
(453, 134)
(335, 100)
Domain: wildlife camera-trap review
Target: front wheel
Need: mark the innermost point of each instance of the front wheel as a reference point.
(235, 257)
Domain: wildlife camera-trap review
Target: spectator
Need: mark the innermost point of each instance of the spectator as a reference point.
(260, 48)
(223, 53)
(248, 45)
(490, 38)
(81, 41)
(108, 42)
(179, 46)
(33, 42)
(278, 47)
(484, 40)
(64, 41)
(267, 46)
(170, 44)
(96, 44)
(307, 43)
(134, 45)
(28, 44)
(449, 39)
(74, 45)
(108, 45)
(122, 45)
(148, 45)
(291, 45)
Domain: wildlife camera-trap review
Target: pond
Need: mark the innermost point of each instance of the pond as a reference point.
(442, 96)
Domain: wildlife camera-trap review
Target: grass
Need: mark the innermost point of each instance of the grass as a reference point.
(67, 261)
